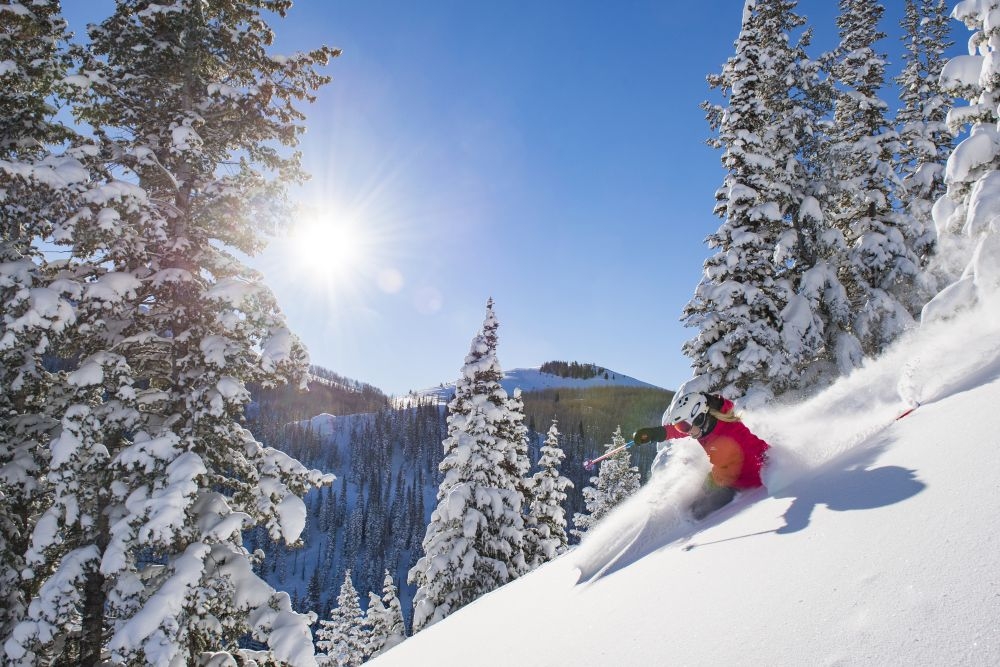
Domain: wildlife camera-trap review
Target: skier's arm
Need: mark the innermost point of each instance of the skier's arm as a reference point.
(651, 434)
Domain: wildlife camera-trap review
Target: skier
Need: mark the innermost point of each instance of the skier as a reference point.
(737, 455)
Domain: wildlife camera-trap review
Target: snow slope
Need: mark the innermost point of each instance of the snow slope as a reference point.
(877, 543)
(533, 379)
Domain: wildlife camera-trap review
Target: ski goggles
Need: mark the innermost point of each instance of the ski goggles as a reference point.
(686, 426)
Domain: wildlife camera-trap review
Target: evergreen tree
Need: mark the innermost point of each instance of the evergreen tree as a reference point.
(139, 550)
(33, 46)
(516, 433)
(344, 636)
(547, 535)
(517, 465)
(925, 141)
(38, 189)
(313, 592)
(751, 333)
(385, 618)
(474, 542)
(878, 268)
(964, 216)
(617, 480)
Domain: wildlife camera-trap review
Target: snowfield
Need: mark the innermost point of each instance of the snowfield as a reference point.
(876, 544)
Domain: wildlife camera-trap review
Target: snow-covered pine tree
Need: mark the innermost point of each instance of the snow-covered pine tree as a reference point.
(925, 140)
(748, 334)
(37, 188)
(617, 480)
(474, 541)
(354, 533)
(343, 638)
(966, 215)
(152, 475)
(879, 269)
(42, 302)
(547, 531)
(33, 45)
(385, 619)
(517, 464)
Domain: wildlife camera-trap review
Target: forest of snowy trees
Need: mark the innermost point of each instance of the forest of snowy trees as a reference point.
(367, 532)
(826, 251)
(149, 517)
(493, 522)
(372, 519)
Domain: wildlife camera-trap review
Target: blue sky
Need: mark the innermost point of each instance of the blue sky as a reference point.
(550, 155)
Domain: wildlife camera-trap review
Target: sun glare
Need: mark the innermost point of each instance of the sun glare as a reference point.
(330, 247)
(341, 257)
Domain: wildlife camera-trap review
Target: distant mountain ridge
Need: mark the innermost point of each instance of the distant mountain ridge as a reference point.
(535, 379)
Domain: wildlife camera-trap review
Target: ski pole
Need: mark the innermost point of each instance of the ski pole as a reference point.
(589, 464)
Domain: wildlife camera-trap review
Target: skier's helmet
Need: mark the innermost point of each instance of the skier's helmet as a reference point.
(687, 410)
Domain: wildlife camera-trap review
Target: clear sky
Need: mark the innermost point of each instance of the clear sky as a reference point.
(550, 155)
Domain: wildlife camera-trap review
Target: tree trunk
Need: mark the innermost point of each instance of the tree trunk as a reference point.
(94, 597)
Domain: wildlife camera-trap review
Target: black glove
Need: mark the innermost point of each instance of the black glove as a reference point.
(715, 402)
(653, 434)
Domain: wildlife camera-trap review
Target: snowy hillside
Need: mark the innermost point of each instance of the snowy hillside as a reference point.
(877, 542)
(533, 379)
(373, 516)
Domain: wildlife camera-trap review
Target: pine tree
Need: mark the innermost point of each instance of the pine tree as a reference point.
(925, 141)
(547, 535)
(751, 333)
(39, 187)
(33, 46)
(517, 465)
(139, 552)
(617, 480)
(344, 636)
(515, 432)
(385, 618)
(879, 268)
(474, 542)
(964, 215)
(313, 591)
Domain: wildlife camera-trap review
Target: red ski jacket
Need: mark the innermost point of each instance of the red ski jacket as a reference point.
(737, 455)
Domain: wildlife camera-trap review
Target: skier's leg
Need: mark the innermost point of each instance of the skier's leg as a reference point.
(713, 497)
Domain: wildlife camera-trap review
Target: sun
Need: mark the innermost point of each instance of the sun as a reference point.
(330, 246)
(345, 256)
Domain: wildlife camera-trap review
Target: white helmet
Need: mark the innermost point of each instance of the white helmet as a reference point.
(686, 408)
